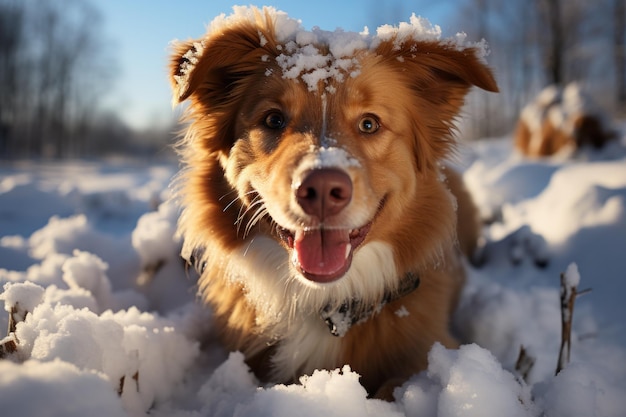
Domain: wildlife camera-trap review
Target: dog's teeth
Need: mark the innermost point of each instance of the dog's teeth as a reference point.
(348, 249)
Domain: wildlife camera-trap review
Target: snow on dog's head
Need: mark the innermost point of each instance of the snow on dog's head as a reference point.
(312, 56)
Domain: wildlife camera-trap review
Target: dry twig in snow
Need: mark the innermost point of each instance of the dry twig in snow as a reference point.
(569, 291)
(525, 363)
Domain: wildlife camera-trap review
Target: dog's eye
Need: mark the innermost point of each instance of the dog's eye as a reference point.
(369, 124)
(274, 120)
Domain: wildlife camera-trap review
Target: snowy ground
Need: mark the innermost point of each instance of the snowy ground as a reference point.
(89, 251)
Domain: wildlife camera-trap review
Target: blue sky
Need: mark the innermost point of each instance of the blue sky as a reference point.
(141, 30)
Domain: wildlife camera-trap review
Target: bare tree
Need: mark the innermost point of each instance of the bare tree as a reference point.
(54, 68)
(619, 36)
(69, 59)
(11, 21)
(550, 10)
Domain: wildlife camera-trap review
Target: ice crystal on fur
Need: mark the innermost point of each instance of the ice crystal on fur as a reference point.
(402, 312)
(417, 28)
(312, 66)
(304, 59)
(286, 27)
(334, 157)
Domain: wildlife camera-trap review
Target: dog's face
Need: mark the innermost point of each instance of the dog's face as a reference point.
(329, 156)
(318, 163)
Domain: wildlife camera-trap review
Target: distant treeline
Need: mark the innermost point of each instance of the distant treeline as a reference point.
(55, 70)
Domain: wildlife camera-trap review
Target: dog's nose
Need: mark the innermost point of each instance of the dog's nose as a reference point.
(324, 192)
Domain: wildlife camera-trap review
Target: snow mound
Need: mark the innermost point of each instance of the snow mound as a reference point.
(140, 354)
(458, 383)
(232, 390)
(36, 388)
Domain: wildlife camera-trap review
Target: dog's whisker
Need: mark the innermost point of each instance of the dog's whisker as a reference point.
(240, 217)
(245, 252)
(261, 211)
(243, 210)
(227, 194)
(258, 215)
(234, 200)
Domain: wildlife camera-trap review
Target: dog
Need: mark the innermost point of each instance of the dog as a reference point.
(316, 205)
(561, 121)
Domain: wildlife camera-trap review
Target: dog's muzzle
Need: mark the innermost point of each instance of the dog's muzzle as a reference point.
(323, 253)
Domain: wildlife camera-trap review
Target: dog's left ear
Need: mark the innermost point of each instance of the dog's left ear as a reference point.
(439, 72)
(439, 75)
(433, 64)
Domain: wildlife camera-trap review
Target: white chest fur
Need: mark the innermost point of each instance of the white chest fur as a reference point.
(288, 306)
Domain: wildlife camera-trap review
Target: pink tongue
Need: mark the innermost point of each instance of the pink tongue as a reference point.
(323, 255)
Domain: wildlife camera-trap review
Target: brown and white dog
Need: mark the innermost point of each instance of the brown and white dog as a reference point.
(561, 121)
(315, 203)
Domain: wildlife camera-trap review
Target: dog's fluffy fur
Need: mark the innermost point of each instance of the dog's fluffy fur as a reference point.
(561, 121)
(380, 126)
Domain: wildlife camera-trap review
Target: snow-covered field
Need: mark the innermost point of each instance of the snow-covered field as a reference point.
(89, 251)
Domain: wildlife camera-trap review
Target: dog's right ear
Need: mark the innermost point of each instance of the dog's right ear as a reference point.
(213, 65)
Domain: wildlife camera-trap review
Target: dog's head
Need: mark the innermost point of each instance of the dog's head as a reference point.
(326, 141)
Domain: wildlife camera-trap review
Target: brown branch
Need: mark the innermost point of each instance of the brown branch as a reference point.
(149, 271)
(8, 345)
(569, 293)
(13, 320)
(524, 363)
(120, 387)
(568, 296)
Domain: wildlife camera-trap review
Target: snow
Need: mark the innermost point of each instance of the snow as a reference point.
(37, 388)
(113, 328)
(332, 157)
(468, 377)
(572, 276)
(402, 312)
(27, 294)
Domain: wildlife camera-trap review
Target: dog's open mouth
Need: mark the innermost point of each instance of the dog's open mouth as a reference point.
(323, 255)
